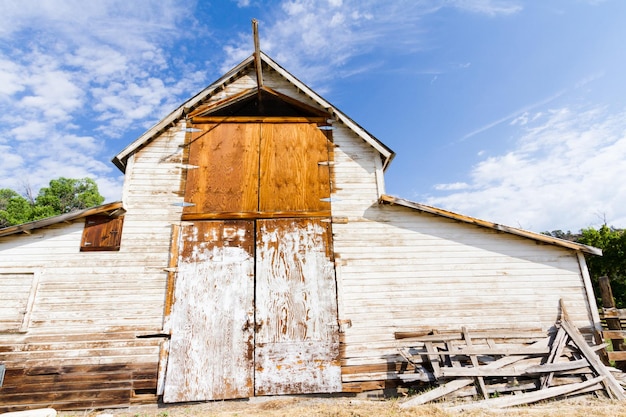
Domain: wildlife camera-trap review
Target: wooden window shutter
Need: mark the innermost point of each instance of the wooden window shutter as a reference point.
(102, 233)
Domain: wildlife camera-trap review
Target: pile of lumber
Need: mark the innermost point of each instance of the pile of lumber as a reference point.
(507, 368)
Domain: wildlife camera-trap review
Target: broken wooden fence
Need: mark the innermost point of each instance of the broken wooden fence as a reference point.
(612, 324)
(492, 364)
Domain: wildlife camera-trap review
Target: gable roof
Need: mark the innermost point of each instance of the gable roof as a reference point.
(120, 159)
(538, 237)
(113, 209)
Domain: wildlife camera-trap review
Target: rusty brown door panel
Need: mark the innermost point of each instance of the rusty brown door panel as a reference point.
(226, 179)
(294, 168)
(211, 349)
(297, 344)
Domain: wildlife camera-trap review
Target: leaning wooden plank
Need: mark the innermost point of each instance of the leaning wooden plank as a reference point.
(507, 360)
(480, 380)
(433, 358)
(558, 344)
(612, 386)
(529, 397)
(437, 392)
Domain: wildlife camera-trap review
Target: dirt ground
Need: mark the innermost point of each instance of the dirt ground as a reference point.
(587, 406)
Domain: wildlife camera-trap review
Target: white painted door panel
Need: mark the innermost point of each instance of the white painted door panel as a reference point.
(211, 349)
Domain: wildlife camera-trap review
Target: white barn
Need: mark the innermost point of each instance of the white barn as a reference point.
(255, 252)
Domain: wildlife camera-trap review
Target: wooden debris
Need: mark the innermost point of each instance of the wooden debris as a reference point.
(561, 364)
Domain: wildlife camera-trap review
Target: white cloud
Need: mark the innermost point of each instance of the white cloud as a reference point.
(455, 186)
(105, 66)
(567, 167)
(316, 40)
(488, 7)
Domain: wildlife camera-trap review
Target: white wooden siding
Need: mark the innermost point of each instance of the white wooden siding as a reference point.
(397, 269)
(16, 289)
(416, 271)
(120, 294)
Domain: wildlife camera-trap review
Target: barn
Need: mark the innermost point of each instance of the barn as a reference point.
(255, 252)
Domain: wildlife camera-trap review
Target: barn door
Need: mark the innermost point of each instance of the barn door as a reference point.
(211, 347)
(297, 340)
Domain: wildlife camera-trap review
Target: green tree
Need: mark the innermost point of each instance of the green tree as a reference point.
(612, 263)
(14, 209)
(62, 195)
(67, 194)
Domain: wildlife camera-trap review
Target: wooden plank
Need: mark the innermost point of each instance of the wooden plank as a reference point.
(614, 312)
(291, 177)
(557, 367)
(501, 350)
(612, 386)
(502, 362)
(438, 392)
(481, 382)
(433, 358)
(558, 344)
(614, 334)
(477, 334)
(227, 178)
(249, 215)
(528, 397)
(513, 371)
(171, 275)
(210, 354)
(258, 119)
(617, 356)
(297, 341)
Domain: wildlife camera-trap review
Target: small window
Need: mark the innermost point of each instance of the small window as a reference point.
(102, 233)
(18, 292)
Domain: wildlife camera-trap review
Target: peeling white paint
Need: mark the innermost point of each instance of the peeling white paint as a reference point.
(297, 344)
(211, 346)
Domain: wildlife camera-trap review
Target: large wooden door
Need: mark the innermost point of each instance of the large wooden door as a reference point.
(297, 341)
(255, 308)
(212, 318)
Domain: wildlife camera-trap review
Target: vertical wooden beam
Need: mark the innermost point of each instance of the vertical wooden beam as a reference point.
(481, 387)
(257, 58)
(612, 323)
(591, 298)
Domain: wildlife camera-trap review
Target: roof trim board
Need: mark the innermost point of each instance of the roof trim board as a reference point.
(114, 209)
(538, 237)
(120, 159)
(210, 109)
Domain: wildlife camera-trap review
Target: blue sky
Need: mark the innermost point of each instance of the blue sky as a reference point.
(512, 111)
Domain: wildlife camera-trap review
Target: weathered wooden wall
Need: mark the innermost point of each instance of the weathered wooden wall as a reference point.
(396, 270)
(402, 270)
(81, 345)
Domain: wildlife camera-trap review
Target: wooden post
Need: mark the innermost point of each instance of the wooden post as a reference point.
(612, 323)
(257, 58)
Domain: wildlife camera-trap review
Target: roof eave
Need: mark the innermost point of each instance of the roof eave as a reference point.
(120, 159)
(111, 208)
(383, 149)
(495, 226)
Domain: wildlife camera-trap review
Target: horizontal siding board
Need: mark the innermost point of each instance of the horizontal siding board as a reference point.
(412, 271)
